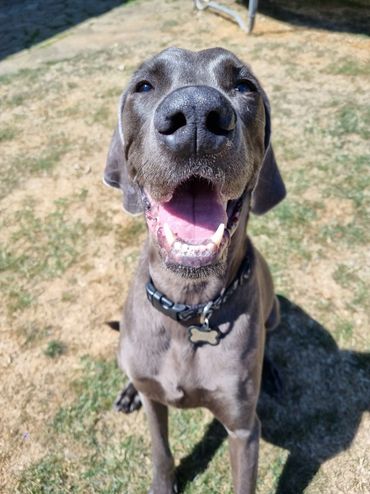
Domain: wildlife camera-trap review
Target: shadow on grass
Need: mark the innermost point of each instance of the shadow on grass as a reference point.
(351, 16)
(24, 23)
(197, 461)
(326, 390)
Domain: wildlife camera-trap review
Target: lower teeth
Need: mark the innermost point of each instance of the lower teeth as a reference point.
(184, 249)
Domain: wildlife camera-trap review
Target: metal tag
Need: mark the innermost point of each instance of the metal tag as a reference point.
(203, 334)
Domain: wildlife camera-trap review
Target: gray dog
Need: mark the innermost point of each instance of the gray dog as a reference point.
(192, 150)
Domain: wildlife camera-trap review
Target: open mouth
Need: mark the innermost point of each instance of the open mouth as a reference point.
(194, 227)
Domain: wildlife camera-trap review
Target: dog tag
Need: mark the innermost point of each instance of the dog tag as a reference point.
(203, 334)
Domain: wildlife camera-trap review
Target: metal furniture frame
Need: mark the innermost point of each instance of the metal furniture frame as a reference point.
(252, 9)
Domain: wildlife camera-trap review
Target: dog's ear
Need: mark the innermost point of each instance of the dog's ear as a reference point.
(116, 173)
(270, 188)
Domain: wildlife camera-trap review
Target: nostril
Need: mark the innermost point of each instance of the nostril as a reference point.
(219, 124)
(173, 123)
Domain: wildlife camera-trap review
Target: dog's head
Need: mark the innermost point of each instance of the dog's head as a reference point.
(191, 146)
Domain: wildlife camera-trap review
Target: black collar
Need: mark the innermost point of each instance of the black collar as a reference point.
(185, 313)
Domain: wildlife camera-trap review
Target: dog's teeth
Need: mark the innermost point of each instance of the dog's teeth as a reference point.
(219, 233)
(170, 237)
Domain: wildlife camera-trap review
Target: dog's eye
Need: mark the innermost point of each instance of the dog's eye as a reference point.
(143, 87)
(245, 87)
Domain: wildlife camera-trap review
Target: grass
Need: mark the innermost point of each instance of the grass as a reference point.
(103, 116)
(51, 243)
(106, 463)
(40, 248)
(292, 218)
(349, 234)
(102, 223)
(95, 392)
(55, 349)
(352, 119)
(130, 233)
(68, 297)
(7, 133)
(348, 67)
(67, 253)
(18, 299)
(309, 426)
(27, 76)
(21, 167)
(98, 463)
(33, 333)
(47, 477)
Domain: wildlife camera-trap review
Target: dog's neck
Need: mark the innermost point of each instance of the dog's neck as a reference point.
(200, 290)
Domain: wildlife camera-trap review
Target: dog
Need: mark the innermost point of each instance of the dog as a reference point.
(192, 152)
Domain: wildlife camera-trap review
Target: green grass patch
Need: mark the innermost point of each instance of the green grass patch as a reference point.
(55, 348)
(102, 462)
(109, 470)
(169, 25)
(351, 119)
(130, 234)
(344, 330)
(48, 476)
(95, 391)
(7, 133)
(40, 248)
(102, 224)
(348, 177)
(69, 297)
(28, 76)
(350, 234)
(348, 67)
(287, 224)
(44, 247)
(18, 169)
(33, 333)
(18, 299)
(103, 115)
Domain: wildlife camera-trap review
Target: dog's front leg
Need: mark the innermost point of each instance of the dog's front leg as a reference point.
(163, 464)
(243, 447)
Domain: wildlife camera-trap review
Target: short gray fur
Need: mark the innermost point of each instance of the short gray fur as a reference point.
(155, 351)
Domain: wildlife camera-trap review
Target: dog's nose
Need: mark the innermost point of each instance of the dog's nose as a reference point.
(195, 120)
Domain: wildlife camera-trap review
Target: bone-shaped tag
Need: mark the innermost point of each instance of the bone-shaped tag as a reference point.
(199, 335)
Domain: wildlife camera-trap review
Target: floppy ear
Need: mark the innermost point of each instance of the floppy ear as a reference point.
(270, 188)
(116, 173)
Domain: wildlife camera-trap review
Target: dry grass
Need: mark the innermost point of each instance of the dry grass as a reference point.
(67, 254)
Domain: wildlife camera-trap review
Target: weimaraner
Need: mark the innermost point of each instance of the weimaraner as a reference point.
(192, 151)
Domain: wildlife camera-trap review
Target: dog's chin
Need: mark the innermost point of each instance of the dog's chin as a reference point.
(213, 270)
(193, 227)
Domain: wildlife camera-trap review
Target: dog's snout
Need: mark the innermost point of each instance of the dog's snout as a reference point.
(220, 123)
(171, 123)
(195, 120)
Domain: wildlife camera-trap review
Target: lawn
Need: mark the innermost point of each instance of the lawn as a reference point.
(67, 253)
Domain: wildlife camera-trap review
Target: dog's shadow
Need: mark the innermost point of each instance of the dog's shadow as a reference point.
(326, 390)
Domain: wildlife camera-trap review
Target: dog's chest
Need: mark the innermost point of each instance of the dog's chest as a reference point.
(185, 376)
(181, 376)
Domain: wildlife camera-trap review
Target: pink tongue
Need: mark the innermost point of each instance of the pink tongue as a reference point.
(194, 213)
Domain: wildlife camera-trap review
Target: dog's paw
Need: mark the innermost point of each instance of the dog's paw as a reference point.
(128, 400)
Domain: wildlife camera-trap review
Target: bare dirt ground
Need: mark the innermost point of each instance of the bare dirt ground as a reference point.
(68, 252)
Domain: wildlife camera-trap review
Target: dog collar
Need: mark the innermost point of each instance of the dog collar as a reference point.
(183, 313)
